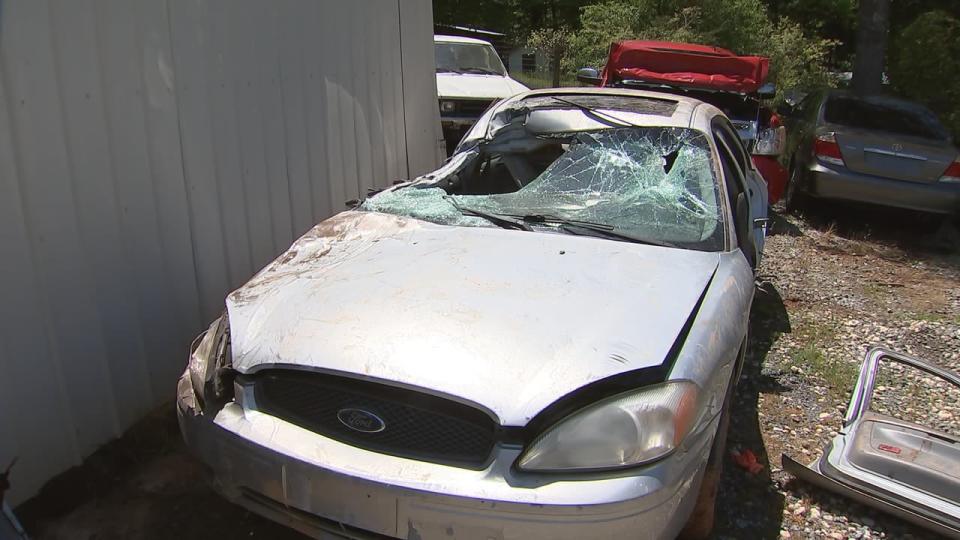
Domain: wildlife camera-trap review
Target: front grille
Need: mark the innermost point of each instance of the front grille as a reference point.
(473, 107)
(414, 425)
(470, 107)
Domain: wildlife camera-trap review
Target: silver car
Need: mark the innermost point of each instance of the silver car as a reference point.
(877, 150)
(538, 340)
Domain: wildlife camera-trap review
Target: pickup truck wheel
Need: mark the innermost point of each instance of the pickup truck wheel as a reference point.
(701, 520)
(795, 199)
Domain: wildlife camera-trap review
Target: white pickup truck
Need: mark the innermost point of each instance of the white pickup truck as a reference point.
(470, 77)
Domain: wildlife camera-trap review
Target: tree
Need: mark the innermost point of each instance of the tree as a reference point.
(554, 42)
(925, 64)
(872, 28)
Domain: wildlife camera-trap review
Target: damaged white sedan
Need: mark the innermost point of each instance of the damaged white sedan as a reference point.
(538, 340)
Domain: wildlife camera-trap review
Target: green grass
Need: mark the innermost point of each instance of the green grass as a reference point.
(933, 317)
(838, 375)
(537, 80)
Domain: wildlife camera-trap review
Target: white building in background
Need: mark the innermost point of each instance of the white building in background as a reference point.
(526, 60)
(153, 155)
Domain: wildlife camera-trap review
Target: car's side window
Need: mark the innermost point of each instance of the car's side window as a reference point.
(734, 181)
(730, 138)
(732, 174)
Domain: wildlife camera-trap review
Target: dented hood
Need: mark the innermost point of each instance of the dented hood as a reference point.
(509, 320)
(474, 86)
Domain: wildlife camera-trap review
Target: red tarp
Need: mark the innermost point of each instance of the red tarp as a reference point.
(685, 63)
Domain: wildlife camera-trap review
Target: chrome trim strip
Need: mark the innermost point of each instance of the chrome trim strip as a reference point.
(895, 154)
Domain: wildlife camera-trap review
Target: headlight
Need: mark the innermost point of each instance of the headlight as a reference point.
(621, 431)
(770, 141)
(448, 106)
(208, 359)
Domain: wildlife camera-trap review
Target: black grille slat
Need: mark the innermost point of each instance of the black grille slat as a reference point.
(418, 426)
(473, 107)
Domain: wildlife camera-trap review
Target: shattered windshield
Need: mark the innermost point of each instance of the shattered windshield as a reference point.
(653, 184)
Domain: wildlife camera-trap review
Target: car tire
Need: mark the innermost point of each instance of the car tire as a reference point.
(795, 199)
(700, 523)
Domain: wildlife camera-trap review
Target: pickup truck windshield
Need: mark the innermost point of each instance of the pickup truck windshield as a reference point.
(653, 184)
(473, 58)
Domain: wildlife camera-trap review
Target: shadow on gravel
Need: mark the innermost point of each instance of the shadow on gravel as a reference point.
(779, 225)
(913, 232)
(750, 506)
(142, 486)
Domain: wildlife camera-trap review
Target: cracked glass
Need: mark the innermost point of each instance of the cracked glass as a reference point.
(651, 183)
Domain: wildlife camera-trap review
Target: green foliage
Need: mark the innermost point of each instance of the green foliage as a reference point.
(925, 65)
(744, 26)
(797, 61)
(829, 19)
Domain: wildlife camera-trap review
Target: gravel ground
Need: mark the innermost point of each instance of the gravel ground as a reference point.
(831, 284)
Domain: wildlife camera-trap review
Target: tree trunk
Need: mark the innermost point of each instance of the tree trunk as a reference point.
(555, 65)
(872, 27)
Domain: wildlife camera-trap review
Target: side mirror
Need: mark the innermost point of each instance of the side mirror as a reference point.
(767, 91)
(589, 76)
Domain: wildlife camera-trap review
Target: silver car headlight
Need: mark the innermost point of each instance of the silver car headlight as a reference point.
(208, 359)
(625, 430)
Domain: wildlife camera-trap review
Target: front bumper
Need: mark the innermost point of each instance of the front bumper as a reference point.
(320, 487)
(838, 183)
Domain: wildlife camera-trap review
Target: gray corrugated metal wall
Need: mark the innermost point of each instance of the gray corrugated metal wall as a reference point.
(153, 155)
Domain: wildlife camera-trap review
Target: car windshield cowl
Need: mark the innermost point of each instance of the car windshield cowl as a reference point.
(653, 185)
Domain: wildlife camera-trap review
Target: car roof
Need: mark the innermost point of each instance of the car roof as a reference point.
(689, 112)
(459, 39)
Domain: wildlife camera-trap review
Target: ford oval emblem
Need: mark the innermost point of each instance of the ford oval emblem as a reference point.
(361, 420)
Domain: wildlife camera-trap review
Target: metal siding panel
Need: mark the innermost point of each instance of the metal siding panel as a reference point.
(364, 111)
(50, 210)
(167, 176)
(157, 329)
(28, 364)
(422, 118)
(223, 85)
(274, 130)
(292, 72)
(323, 107)
(245, 54)
(88, 107)
(153, 155)
(345, 177)
(189, 36)
(394, 84)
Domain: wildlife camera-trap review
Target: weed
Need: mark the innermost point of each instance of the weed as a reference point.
(838, 375)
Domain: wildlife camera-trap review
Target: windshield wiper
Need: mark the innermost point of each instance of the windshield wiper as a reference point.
(588, 228)
(484, 71)
(448, 70)
(595, 112)
(496, 220)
